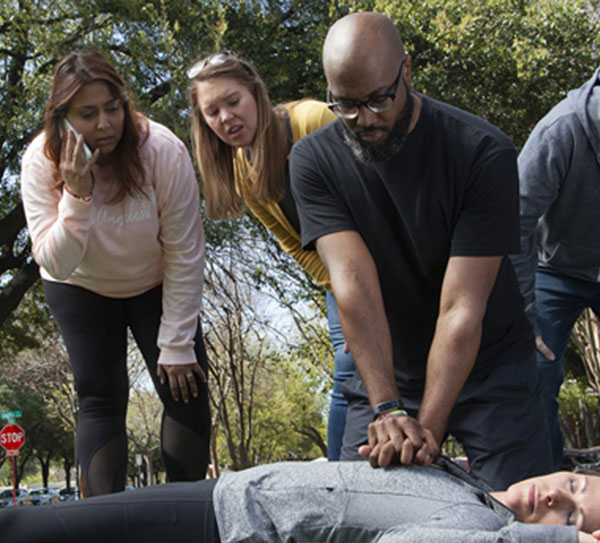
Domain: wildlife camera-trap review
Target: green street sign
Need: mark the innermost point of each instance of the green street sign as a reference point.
(9, 415)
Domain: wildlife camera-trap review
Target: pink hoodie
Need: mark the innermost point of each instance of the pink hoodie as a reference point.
(124, 249)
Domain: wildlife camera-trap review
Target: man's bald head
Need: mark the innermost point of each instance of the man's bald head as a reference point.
(361, 41)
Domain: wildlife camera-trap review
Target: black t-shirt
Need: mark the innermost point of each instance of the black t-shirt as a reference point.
(452, 191)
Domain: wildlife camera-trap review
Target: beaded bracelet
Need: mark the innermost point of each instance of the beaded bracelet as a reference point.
(391, 413)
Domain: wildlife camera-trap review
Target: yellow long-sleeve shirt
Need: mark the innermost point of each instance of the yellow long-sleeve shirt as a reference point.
(305, 116)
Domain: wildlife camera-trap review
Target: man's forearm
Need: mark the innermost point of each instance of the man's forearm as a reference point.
(357, 292)
(451, 358)
(367, 332)
(525, 264)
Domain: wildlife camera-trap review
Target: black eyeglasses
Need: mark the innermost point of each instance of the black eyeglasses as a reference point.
(380, 103)
(215, 59)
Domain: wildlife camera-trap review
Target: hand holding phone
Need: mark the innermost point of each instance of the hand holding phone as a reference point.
(76, 175)
(87, 154)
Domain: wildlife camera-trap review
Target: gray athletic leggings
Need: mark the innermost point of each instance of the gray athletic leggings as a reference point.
(94, 329)
(168, 513)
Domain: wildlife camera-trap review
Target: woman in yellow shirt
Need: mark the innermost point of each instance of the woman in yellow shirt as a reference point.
(242, 144)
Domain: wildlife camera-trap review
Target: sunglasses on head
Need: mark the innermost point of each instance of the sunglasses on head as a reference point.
(216, 59)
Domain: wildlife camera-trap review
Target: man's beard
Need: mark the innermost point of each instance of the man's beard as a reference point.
(390, 146)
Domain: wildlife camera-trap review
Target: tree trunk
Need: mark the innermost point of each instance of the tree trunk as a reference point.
(45, 465)
(67, 465)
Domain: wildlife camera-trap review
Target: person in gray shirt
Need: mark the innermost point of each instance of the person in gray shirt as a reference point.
(326, 501)
(559, 264)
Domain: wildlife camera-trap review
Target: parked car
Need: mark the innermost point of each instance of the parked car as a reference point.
(67, 494)
(22, 498)
(44, 496)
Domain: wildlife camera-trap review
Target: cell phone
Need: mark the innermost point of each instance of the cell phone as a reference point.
(87, 154)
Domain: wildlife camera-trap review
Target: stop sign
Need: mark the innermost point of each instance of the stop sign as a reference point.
(12, 437)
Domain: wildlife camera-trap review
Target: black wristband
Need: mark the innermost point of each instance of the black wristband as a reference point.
(384, 407)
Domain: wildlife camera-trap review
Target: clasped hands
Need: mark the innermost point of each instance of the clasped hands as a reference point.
(399, 439)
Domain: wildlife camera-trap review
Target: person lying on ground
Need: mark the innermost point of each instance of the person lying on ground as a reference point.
(326, 501)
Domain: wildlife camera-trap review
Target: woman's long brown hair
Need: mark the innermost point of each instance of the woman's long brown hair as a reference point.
(74, 72)
(217, 160)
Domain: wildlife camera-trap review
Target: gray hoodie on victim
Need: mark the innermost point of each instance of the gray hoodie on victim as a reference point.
(559, 170)
(351, 502)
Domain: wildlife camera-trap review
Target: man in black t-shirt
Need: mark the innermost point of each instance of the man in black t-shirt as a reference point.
(413, 207)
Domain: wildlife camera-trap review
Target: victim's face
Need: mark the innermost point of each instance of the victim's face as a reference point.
(561, 498)
(229, 109)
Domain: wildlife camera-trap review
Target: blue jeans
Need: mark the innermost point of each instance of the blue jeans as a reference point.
(560, 299)
(344, 368)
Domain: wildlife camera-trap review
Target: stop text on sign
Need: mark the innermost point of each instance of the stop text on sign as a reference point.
(13, 437)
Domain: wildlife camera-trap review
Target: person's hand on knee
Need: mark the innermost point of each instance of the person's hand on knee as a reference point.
(182, 379)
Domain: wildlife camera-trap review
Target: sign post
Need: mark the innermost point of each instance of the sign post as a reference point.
(12, 437)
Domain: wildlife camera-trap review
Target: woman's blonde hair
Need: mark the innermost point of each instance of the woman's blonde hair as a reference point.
(219, 163)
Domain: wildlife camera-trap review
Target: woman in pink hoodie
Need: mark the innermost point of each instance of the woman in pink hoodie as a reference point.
(112, 207)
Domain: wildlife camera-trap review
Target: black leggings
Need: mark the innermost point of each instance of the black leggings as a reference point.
(94, 329)
(174, 512)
